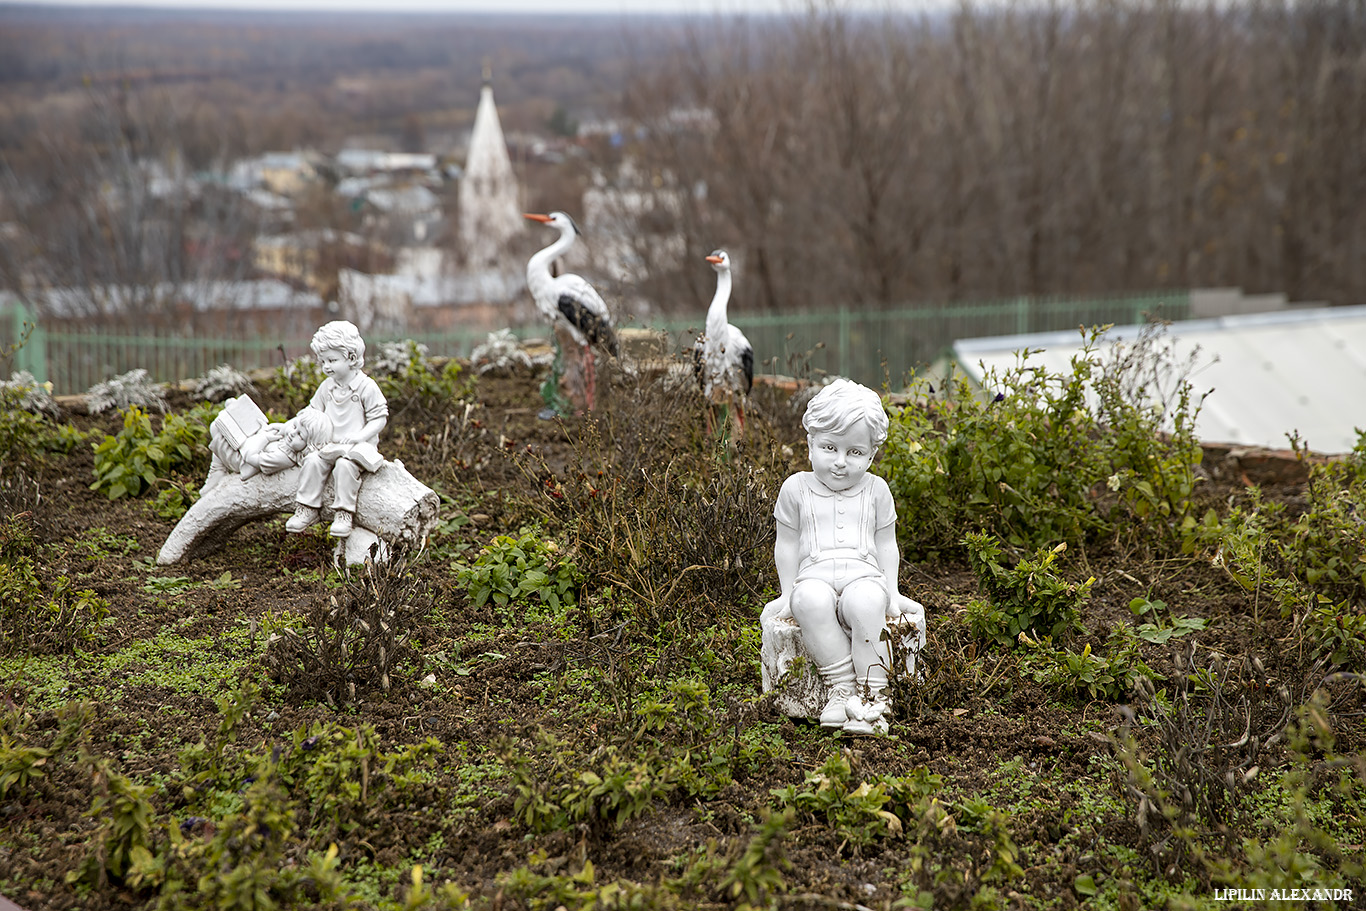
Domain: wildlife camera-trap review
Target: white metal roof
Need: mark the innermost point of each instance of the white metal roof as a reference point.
(1269, 373)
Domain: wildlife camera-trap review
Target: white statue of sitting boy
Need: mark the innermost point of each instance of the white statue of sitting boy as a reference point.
(837, 556)
(358, 411)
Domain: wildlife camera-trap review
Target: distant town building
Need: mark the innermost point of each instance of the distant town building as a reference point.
(279, 173)
(490, 210)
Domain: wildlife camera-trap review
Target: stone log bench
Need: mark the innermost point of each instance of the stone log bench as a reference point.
(393, 508)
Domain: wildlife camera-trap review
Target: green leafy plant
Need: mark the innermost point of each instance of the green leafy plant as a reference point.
(975, 814)
(1111, 674)
(1337, 632)
(1166, 627)
(1041, 457)
(35, 617)
(757, 873)
(246, 863)
(23, 433)
(20, 765)
(163, 585)
(122, 849)
(135, 459)
(1030, 597)
(516, 570)
(204, 765)
(296, 382)
(603, 789)
(173, 502)
(579, 891)
(1308, 566)
(409, 379)
(860, 812)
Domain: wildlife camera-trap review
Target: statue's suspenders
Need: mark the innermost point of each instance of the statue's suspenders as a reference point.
(811, 541)
(867, 523)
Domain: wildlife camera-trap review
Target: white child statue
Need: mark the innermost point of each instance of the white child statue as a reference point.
(270, 449)
(837, 558)
(358, 411)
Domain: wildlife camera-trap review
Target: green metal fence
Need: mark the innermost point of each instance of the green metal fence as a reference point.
(867, 346)
(870, 346)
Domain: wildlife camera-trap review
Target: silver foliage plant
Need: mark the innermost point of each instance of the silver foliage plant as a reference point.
(392, 358)
(501, 353)
(222, 382)
(29, 394)
(132, 388)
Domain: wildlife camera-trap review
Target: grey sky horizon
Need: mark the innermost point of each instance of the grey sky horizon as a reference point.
(621, 7)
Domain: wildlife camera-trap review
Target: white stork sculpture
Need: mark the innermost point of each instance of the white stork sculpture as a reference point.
(569, 302)
(723, 358)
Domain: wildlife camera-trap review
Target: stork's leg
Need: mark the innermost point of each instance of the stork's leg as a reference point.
(739, 419)
(591, 376)
(555, 402)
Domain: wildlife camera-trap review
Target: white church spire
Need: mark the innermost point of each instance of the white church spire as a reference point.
(490, 213)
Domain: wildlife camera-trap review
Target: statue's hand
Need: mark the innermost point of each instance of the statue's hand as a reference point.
(899, 606)
(784, 604)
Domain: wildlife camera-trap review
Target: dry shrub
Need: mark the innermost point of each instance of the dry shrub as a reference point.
(354, 639)
(1213, 735)
(659, 509)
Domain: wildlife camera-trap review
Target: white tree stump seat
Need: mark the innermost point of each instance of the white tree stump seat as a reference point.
(802, 693)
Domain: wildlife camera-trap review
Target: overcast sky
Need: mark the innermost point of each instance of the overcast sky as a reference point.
(633, 7)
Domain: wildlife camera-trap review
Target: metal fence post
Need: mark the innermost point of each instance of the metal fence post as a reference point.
(33, 355)
(844, 340)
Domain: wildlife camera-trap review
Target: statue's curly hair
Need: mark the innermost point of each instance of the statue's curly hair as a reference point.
(838, 406)
(340, 335)
(317, 427)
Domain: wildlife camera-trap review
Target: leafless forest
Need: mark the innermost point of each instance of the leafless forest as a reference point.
(1041, 148)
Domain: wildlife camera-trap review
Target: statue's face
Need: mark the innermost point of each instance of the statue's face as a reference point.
(335, 363)
(294, 437)
(840, 460)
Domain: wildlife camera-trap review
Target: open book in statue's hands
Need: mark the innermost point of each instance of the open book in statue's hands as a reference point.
(365, 454)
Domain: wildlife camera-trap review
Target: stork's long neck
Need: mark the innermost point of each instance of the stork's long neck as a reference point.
(538, 267)
(716, 313)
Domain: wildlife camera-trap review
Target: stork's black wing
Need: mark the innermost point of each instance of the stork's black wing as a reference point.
(594, 328)
(747, 365)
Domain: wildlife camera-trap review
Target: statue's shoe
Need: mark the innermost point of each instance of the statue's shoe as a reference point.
(303, 517)
(866, 717)
(341, 524)
(834, 714)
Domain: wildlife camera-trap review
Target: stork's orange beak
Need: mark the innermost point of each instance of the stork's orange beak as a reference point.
(543, 219)
(713, 259)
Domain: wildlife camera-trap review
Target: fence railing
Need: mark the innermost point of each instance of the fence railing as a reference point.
(873, 346)
(868, 346)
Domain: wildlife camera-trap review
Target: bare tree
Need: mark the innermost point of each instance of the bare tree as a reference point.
(113, 223)
(1106, 145)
